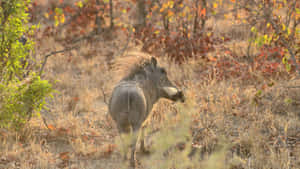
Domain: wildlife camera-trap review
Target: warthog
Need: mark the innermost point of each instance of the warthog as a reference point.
(133, 97)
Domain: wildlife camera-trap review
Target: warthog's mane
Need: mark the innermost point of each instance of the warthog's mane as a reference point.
(130, 64)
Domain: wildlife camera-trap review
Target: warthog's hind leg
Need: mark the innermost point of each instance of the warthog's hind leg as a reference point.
(124, 145)
(124, 139)
(134, 137)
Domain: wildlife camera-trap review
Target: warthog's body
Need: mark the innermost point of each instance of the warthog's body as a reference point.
(133, 98)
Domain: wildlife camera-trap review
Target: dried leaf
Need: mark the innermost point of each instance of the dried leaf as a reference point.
(202, 12)
(51, 127)
(85, 137)
(64, 156)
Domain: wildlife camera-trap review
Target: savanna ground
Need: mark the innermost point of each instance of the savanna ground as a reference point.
(248, 120)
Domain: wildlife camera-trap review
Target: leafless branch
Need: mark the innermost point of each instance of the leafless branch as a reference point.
(92, 34)
(54, 53)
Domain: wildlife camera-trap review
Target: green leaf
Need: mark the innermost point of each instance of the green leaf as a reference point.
(58, 11)
(258, 93)
(288, 31)
(298, 11)
(171, 4)
(259, 41)
(283, 26)
(284, 60)
(265, 38)
(288, 67)
(79, 4)
(288, 101)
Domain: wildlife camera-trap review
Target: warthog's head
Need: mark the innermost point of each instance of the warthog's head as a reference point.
(158, 76)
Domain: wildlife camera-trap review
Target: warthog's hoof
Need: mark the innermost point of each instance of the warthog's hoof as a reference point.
(124, 157)
(145, 151)
(132, 163)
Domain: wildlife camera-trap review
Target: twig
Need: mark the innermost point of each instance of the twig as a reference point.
(104, 96)
(292, 86)
(45, 123)
(90, 35)
(125, 46)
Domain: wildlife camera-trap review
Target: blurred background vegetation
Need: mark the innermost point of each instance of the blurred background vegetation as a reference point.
(237, 61)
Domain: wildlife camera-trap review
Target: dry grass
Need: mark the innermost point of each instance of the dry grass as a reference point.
(230, 123)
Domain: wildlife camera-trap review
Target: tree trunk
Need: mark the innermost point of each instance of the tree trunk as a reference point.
(99, 20)
(111, 14)
(203, 18)
(141, 15)
(196, 23)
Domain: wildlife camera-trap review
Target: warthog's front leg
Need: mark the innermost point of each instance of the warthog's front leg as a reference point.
(142, 142)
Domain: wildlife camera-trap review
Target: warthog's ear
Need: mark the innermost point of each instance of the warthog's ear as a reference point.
(153, 61)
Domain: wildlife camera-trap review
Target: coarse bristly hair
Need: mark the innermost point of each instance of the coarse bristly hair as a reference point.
(129, 63)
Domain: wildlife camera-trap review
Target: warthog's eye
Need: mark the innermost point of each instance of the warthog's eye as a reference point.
(163, 71)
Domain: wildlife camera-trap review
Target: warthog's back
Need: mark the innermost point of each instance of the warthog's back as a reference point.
(128, 105)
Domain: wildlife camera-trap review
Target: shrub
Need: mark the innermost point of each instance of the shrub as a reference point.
(21, 90)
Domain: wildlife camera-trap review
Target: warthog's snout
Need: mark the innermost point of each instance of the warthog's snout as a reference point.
(180, 96)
